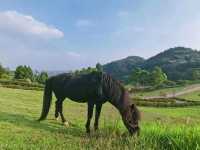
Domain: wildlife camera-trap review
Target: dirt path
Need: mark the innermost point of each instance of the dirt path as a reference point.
(187, 89)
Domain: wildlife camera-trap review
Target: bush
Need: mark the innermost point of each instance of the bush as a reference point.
(4, 73)
(183, 82)
(21, 87)
(165, 102)
(42, 77)
(5, 76)
(21, 84)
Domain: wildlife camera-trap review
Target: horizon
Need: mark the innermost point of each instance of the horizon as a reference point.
(70, 35)
(112, 60)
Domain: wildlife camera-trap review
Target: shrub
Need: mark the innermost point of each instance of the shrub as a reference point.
(21, 84)
(165, 102)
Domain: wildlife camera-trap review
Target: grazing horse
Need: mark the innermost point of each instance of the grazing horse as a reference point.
(95, 89)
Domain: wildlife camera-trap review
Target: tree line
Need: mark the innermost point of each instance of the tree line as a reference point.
(24, 73)
(138, 77)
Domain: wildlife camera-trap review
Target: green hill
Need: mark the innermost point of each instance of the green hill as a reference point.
(121, 69)
(178, 63)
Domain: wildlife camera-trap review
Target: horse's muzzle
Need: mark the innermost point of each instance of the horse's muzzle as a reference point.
(134, 131)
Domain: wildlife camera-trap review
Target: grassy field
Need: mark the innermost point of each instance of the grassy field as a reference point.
(194, 96)
(159, 92)
(161, 128)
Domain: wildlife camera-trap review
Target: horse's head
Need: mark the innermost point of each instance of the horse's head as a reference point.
(131, 117)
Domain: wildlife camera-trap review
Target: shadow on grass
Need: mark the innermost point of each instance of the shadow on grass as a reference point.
(49, 125)
(55, 127)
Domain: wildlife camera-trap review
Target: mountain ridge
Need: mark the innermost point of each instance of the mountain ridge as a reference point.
(178, 63)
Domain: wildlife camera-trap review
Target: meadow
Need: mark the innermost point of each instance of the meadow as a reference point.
(194, 96)
(161, 128)
(189, 92)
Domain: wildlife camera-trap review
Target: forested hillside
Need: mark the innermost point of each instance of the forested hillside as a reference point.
(121, 69)
(178, 63)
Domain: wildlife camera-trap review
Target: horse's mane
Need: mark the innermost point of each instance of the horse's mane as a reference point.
(112, 87)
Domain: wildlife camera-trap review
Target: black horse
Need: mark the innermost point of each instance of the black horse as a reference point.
(94, 88)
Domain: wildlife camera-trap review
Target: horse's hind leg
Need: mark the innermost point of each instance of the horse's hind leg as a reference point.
(60, 110)
(89, 116)
(97, 115)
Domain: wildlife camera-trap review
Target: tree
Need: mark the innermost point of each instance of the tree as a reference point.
(99, 67)
(23, 72)
(42, 77)
(196, 74)
(3, 72)
(140, 77)
(135, 75)
(144, 78)
(85, 70)
(158, 76)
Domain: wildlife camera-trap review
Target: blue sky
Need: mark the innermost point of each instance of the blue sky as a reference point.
(70, 34)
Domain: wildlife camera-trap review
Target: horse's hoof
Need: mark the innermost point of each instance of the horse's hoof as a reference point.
(88, 131)
(96, 129)
(57, 119)
(66, 124)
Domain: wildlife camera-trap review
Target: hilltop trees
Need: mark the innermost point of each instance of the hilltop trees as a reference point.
(98, 67)
(85, 70)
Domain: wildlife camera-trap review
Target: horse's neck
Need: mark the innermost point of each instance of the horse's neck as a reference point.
(122, 103)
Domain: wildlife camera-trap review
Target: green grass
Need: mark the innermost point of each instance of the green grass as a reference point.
(194, 96)
(161, 128)
(159, 92)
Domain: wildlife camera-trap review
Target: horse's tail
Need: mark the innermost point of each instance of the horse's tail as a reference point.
(47, 98)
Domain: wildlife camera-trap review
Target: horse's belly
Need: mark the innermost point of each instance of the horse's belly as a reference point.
(82, 100)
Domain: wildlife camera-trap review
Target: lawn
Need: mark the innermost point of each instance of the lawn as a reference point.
(161, 128)
(159, 92)
(194, 96)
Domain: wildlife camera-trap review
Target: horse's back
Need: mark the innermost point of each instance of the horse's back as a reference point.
(78, 88)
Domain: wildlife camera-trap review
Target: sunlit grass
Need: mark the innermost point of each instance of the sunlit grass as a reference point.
(161, 128)
(194, 96)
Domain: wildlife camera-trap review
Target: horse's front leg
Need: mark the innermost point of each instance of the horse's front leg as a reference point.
(57, 110)
(89, 116)
(97, 115)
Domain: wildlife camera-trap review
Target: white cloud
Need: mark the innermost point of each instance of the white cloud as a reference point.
(13, 22)
(83, 23)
